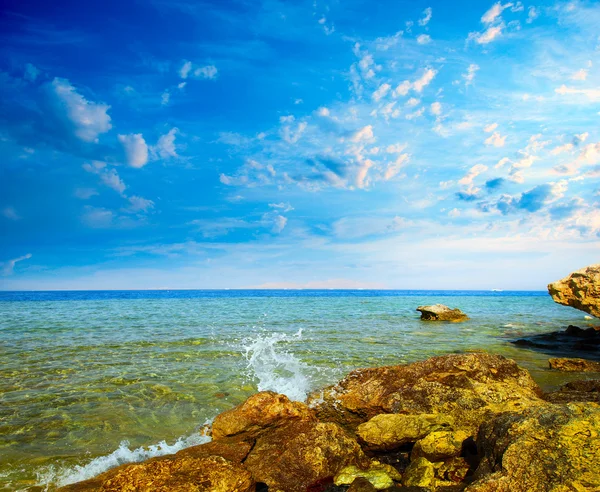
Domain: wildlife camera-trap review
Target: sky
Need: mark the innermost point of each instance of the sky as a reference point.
(298, 144)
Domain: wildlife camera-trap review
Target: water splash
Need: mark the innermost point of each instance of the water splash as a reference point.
(277, 369)
(59, 477)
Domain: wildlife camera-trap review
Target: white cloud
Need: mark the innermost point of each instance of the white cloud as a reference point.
(8, 267)
(10, 213)
(532, 15)
(563, 148)
(395, 148)
(592, 94)
(31, 72)
(475, 171)
(98, 218)
(402, 89)
(85, 193)
(423, 39)
(139, 204)
(361, 180)
(165, 97)
(394, 168)
(365, 134)
(490, 128)
(494, 12)
(580, 74)
(165, 147)
(89, 119)
(427, 13)
(436, 108)
(415, 114)
(419, 84)
(496, 140)
(488, 35)
(206, 72)
(381, 91)
(470, 75)
(413, 101)
(111, 179)
(185, 69)
(292, 136)
(136, 149)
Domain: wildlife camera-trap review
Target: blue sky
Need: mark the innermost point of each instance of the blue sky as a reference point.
(235, 144)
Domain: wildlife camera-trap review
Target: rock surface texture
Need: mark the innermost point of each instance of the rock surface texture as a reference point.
(553, 448)
(574, 365)
(471, 422)
(580, 290)
(439, 312)
(464, 387)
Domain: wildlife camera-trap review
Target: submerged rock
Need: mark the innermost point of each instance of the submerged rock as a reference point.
(439, 312)
(581, 290)
(258, 413)
(465, 387)
(574, 365)
(293, 457)
(576, 391)
(390, 431)
(571, 341)
(548, 448)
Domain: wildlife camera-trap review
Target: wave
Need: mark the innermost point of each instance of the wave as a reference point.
(123, 454)
(277, 369)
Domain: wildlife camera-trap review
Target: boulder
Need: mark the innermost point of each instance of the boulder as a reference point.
(420, 473)
(361, 484)
(258, 413)
(439, 312)
(379, 475)
(465, 387)
(574, 365)
(439, 445)
(232, 449)
(389, 431)
(581, 290)
(583, 390)
(293, 457)
(214, 474)
(546, 448)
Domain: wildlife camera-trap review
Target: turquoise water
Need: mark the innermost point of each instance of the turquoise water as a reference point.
(80, 373)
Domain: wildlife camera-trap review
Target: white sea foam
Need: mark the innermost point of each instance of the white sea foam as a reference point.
(275, 368)
(123, 454)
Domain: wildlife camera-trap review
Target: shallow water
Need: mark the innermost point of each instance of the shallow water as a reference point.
(82, 372)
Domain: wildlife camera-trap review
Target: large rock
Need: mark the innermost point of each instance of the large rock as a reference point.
(580, 290)
(234, 450)
(574, 365)
(439, 312)
(551, 448)
(575, 391)
(465, 387)
(258, 413)
(379, 475)
(391, 430)
(293, 457)
(213, 474)
(439, 445)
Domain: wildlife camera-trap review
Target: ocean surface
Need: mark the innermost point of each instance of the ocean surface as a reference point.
(90, 380)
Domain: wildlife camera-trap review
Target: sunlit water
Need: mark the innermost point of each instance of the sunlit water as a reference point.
(92, 380)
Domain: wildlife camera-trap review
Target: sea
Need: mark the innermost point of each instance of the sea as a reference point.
(92, 380)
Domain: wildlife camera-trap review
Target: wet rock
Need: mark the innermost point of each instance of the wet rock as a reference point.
(547, 448)
(420, 473)
(571, 341)
(379, 475)
(439, 312)
(294, 456)
(576, 391)
(390, 431)
(361, 484)
(439, 445)
(574, 365)
(465, 387)
(213, 474)
(581, 290)
(259, 412)
(233, 449)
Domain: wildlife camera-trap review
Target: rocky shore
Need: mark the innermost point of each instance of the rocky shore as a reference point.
(475, 422)
(472, 422)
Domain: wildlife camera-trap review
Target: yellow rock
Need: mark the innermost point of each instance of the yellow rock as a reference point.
(380, 475)
(420, 473)
(438, 445)
(389, 431)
